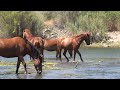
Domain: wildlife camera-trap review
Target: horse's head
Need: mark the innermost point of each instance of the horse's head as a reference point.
(26, 33)
(37, 57)
(87, 38)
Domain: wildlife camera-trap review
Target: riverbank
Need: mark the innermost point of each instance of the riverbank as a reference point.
(113, 41)
(104, 45)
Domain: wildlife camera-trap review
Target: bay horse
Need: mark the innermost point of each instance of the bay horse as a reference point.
(54, 45)
(73, 43)
(60, 39)
(19, 47)
(44, 44)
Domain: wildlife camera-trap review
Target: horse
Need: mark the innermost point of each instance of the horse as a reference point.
(60, 39)
(44, 44)
(52, 45)
(19, 47)
(73, 43)
(35, 40)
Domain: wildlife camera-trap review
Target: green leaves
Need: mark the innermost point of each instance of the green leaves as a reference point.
(13, 22)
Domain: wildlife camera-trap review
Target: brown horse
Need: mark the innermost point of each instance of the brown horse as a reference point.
(35, 40)
(41, 44)
(73, 43)
(60, 39)
(52, 45)
(19, 47)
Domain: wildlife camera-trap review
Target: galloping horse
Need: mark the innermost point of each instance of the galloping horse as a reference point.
(41, 44)
(19, 47)
(73, 43)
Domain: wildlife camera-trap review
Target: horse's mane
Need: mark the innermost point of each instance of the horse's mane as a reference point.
(33, 48)
(82, 33)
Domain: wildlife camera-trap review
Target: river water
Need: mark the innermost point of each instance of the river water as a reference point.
(99, 63)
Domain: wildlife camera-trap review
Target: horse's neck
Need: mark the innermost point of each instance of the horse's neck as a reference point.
(80, 38)
(32, 50)
(29, 35)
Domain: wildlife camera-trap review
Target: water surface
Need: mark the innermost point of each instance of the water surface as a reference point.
(99, 63)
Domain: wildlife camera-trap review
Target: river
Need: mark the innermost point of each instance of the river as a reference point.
(99, 63)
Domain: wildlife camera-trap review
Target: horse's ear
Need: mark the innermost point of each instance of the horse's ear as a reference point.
(88, 34)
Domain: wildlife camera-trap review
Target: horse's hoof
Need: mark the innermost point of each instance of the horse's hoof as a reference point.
(39, 72)
(25, 72)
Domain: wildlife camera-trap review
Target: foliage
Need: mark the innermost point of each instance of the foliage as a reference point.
(97, 22)
(12, 23)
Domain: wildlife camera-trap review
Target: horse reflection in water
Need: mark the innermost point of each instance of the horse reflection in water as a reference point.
(73, 43)
(19, 47)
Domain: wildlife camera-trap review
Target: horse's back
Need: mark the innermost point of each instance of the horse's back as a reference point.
(36, 41)
(10, 41)
(10, 47)
(67, 42)
(50, 44)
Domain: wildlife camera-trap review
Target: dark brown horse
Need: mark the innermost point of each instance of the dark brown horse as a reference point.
(73, 43)
(19, 47)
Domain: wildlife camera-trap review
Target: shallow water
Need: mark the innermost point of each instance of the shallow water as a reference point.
(99, 63)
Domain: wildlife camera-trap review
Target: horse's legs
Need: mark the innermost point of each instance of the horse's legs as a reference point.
(41, 51)
(60, 55)
(18, 65)
(57, 54)
(43, 55)
(64, 53)
(74, 54)
(23, 63)
(40, 67)
(70, 52)
(36, 67)
(80, 55)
